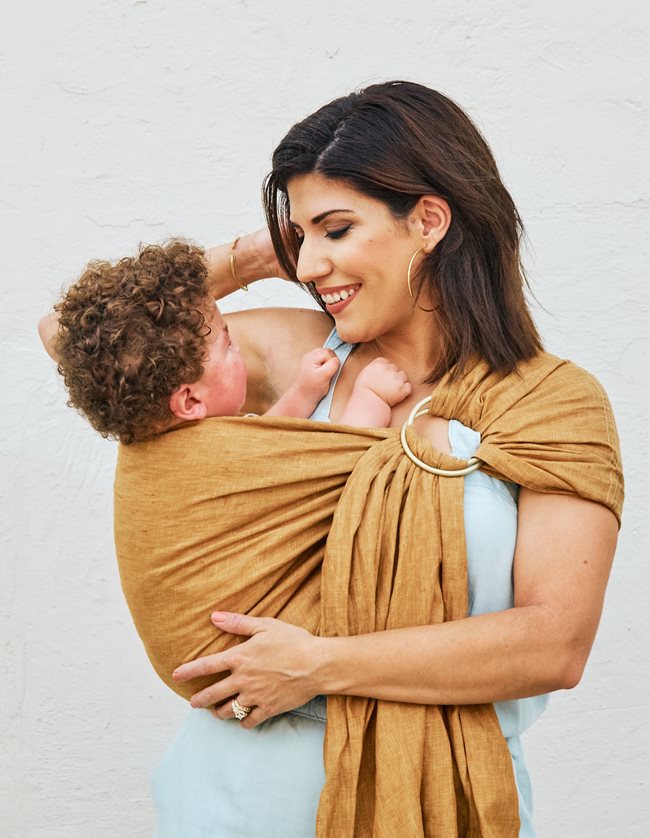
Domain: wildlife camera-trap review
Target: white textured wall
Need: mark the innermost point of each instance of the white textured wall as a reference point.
(131, 121)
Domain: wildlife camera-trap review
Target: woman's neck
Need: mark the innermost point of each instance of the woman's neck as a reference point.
(414, 350)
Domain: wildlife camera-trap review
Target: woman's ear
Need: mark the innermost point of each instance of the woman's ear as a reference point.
(185, 406)
(434, 217)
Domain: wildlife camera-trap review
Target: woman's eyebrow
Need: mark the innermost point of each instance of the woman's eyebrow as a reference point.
(318, 218)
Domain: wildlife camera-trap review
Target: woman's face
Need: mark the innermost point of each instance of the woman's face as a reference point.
(356, 253)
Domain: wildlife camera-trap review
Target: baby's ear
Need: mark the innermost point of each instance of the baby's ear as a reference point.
(48, 329)
(185, 406)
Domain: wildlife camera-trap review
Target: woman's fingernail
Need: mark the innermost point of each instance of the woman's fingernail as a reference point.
(219, 616)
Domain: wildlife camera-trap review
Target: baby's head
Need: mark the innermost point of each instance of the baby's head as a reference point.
(142, 347)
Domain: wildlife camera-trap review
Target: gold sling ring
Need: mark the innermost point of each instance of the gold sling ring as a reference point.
(421, 409)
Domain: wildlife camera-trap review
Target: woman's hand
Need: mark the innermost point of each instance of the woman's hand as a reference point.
(263, 246)
(273, 672)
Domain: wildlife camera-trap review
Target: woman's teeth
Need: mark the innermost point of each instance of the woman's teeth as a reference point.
(338, 296)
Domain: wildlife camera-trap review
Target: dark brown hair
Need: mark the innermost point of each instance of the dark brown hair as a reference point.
(130, 333)
(396, 142)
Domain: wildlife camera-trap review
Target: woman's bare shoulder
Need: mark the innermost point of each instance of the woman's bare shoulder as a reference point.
(264, 329)
(281, 315)
(272, 342)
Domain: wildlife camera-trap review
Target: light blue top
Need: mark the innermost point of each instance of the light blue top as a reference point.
(218, 780)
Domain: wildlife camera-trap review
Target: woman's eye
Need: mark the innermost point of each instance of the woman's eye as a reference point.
(337, 234)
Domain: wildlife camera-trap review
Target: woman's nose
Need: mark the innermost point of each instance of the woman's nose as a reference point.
(312, 263)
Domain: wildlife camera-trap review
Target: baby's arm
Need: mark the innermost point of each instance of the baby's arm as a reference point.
(316, 370)
(379, 386)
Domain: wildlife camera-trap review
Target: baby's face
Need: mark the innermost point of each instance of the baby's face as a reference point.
(224, 378)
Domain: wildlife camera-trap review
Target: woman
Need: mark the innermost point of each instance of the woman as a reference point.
(387, 204)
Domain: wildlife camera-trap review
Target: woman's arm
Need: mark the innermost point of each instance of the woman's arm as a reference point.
(565, 546)
(563, 556)
(254, 260)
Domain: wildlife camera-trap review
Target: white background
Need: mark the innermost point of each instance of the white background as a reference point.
(132, 121)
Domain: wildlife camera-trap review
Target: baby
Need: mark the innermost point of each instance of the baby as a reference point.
(142, 348)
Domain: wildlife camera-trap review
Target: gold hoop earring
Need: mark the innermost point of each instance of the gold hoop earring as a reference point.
(408, 282)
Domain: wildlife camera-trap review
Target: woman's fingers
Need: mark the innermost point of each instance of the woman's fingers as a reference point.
(233, 623)
(215, 693)
(230, 623)
(209, 665)
(224, 711)
(254, 718)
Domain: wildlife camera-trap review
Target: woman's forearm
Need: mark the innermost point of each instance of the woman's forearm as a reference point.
(492, 657)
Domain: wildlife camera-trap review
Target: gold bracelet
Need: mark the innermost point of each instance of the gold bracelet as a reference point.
(233, 269)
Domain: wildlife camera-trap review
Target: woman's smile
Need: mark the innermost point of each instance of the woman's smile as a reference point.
(339, 297)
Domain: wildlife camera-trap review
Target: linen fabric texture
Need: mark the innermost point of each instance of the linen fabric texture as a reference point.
(329, 527)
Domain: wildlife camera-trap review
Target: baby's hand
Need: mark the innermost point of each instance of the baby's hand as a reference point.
(385, 380)
(316, 370)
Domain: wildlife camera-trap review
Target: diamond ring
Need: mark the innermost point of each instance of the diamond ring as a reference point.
(239, 710)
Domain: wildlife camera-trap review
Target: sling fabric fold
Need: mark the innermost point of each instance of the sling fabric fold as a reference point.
(334, 529)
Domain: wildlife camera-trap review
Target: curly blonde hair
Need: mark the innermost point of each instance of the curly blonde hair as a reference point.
(130, 333)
